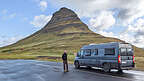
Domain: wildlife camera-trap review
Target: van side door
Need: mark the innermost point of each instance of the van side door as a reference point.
(94, 57)
(81, 59)
(87, 56)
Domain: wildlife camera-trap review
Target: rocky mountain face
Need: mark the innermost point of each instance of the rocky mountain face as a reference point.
(64, 19)
(63, 14)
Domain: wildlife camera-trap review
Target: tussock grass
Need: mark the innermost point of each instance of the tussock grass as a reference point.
(139, 63)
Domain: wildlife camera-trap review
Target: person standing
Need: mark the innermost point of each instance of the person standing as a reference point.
(65, 63)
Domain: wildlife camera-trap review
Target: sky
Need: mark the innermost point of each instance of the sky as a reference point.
(122, 19)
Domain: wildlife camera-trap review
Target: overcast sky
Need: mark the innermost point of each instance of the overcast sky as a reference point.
(123, 19)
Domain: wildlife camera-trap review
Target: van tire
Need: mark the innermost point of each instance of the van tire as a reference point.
(89, 67)
(106, 67)
(77, 66)
(120, 71)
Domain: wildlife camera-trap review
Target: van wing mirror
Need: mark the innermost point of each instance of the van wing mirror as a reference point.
(78, 54)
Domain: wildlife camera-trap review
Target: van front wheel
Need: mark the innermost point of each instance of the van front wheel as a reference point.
(77, 66)
(120, 71)
(106, 67)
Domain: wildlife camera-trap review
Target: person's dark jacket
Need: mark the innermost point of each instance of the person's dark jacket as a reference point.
(64, 56)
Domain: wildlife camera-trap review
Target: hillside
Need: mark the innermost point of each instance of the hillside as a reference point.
(64, 31)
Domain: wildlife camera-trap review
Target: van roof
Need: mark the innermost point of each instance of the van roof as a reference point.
(103, 45)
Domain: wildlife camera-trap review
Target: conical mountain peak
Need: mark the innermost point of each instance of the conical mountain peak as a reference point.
(64, 14)
(64, 20)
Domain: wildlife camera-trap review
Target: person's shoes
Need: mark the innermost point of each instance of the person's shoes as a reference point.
(67, 71)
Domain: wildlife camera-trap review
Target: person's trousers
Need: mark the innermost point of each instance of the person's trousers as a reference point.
(65, 65)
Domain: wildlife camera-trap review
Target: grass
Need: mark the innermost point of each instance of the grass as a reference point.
(8, 56)
(139, 63)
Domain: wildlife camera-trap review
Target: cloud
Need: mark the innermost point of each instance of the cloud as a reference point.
(5, 40)
(127, 37)
(43, 5)
(12, 15)
(7, 15)
(107, 34)
(4, 11)
(40, 21)
(137, 27)
(134, 33)
(139, 41)
(103, 21)
(135, 40)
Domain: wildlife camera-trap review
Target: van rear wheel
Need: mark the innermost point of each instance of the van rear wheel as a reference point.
(77, 66)
(106, 67)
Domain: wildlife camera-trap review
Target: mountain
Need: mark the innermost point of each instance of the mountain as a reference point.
(65, 30)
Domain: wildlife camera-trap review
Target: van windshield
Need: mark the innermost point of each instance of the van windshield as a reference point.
(126, 51)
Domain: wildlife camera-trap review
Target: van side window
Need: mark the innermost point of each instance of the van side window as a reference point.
(109, 51)
(87, 52)
(82, 52)
(94, 52)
